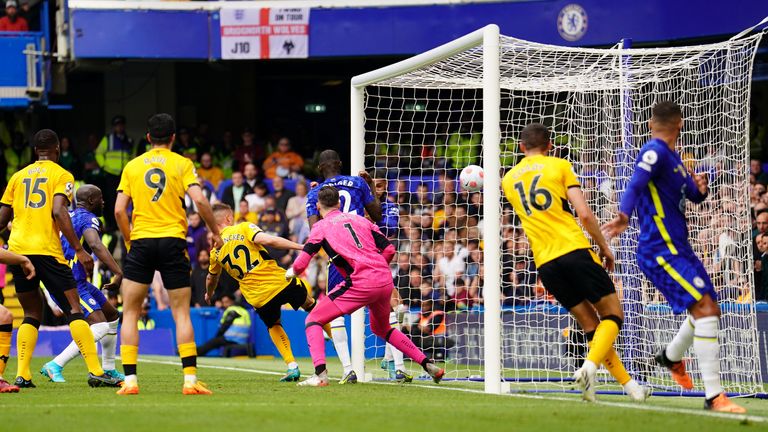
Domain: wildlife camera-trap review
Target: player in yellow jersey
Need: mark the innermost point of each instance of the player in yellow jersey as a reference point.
(262, 281)
(156, 182)
(37, 199)
(540, 188)
(6, 318)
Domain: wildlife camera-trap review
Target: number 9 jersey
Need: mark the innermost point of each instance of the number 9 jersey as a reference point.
(30, 194)
(261, 279)
(156, 182)
(537, 189)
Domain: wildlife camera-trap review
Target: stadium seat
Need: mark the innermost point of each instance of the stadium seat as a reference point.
(222, 186)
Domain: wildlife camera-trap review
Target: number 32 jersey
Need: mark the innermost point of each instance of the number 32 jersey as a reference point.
(537, 188)
(261, 279)
(30, 194)
(156, 182)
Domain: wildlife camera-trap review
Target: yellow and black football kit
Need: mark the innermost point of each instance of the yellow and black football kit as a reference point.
(569, 269)
(157, 181)
(34, 232)
(262, 281)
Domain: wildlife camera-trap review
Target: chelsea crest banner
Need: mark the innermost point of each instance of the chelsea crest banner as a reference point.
(264, 33)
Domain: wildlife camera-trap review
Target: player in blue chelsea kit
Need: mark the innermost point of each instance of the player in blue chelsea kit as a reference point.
(658, 190)
(355, 197)
(99, 313)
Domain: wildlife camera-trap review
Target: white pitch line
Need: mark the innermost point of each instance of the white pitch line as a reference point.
(641, 407)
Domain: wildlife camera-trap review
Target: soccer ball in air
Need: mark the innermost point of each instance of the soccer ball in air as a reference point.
(471, 178)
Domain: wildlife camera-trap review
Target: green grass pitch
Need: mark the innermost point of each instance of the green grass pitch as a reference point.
(248, 397)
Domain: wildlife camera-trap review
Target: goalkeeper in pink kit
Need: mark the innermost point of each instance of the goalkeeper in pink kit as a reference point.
(362, 255)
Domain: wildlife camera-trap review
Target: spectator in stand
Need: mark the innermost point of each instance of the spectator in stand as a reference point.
(296, 210)
(17, 155)
(284, 162)
(281, 194)
(244, 214)
(430, 332)
(224, 154)
(197, 279)
(208, 192)
(274, 223)
(184, 145)
(234, 328)
(257, 199)
(248, 151)
(145, 322)
(209, 171)
(756, 169)
(235, 192)
(411, 292)
(12, 21)
(761, 284)
(115, 150)
(450, 267)
(68, 159)
(202, 138)
(252, 176)
(195, 231)
(400, 272)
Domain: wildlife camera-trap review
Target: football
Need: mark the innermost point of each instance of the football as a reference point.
(471, 178)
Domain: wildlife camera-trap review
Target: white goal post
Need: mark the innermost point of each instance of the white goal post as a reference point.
(420, 121)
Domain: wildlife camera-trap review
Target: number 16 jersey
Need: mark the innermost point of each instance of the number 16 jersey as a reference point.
(156, 181)
(30, 194)
(261, 279)
(537, 188)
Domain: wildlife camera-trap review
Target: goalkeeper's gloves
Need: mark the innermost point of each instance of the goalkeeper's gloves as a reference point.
(289, 274)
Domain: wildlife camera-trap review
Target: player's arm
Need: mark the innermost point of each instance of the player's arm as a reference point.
(10, 258)
(212, 280)
(647, 165)
(385, 247)
(697, 187)
(206, 213)
(390, 219)
(93, 239)
(268, 240)
(589, 222)
(372, 205)
(6, 214)
(121, 216)
(61, 215)
(313, 246)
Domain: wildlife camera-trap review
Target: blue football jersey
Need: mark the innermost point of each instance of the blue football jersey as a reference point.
(354, 194)
(658, 189)
(82, 220)
(390, 218)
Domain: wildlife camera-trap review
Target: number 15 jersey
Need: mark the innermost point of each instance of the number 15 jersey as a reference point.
(537, 188)
(30, 194)
(261, 279)
(156, 182)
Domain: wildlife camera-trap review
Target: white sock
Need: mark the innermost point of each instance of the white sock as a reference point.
(631, 386)
(189, 379)
(707, 351)
(392, 353)
(398, 356)
(293, 365)
(388, 352)
(339, 333)
(72, 351)
(131, 380)
(682, 340)
(108, 346)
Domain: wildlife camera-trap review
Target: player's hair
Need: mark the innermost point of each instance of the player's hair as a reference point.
(328, 196)
(220, 207)
(45, 139)
(666, 112)
(535, 136)
(161, 128)
(328, 156)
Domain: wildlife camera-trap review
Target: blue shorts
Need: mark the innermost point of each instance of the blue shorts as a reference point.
(91, 298)
(681, 278)
(334, 278)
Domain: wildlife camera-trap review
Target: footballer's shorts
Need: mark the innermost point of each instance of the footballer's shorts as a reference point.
(56, 277)
(681, 278)
(91, 298)
(334, 278)
(294, 294)
(168, 255)
(575, 277)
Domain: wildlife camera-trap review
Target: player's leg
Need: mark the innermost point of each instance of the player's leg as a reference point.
(31, 299)
(324, 312)
(109, 341)
(185, 339)
(133, 294)
(585, 377)
(270, 315)
(6, 327)
(339, 328)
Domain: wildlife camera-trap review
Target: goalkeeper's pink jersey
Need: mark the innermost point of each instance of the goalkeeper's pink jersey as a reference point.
(355, 245)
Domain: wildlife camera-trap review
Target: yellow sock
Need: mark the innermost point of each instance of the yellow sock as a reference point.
(602, 343)
(328, 330)
(26, 340)
(130, 357)
(282, 343)
(614, 365)
(83, 337)
(5, 347)
(188, 354)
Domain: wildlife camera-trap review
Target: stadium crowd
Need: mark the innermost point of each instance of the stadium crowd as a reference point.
(439, 266)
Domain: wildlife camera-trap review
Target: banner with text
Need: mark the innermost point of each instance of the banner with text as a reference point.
(264, 33)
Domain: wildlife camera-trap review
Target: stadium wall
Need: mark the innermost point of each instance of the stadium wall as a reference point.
(195, 34)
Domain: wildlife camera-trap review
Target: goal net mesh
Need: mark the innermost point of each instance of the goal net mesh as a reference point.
(424, 126)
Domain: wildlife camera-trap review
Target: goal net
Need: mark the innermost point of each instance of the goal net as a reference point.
(418, 123)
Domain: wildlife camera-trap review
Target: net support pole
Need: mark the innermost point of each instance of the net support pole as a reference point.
(492, 209)
(357, 163)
